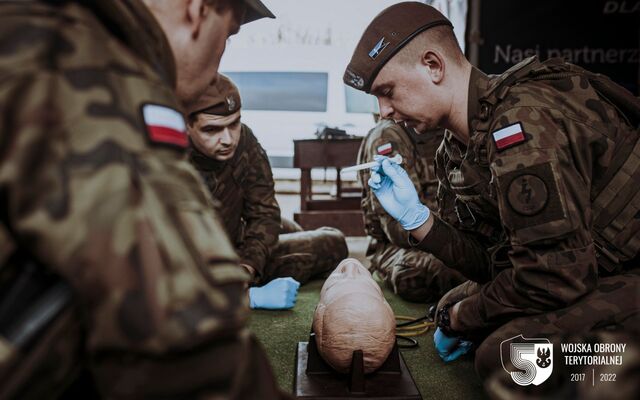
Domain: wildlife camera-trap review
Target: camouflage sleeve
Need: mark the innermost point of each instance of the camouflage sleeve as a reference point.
(261, 212)
(456, 249)
(543, 190)
(386, 134)
(129, 226)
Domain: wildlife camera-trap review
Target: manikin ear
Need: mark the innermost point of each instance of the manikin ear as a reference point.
(434, 63)
(196, 14)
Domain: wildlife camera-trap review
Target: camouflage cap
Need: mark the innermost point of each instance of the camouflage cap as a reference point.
(221, 98)
(256, 10)
(389, 32)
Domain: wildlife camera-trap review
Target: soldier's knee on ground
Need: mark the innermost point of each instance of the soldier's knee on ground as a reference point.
(409, 282)
(289, 226)
(459, 293)
(308, 254)
(487, 358)
(331, 246)
(299, 266)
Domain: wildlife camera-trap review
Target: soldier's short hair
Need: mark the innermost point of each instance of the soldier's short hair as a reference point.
(441, 38)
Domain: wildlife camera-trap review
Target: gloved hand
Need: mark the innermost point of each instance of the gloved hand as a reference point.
(395, 191)
(450, 348)
(279, 294)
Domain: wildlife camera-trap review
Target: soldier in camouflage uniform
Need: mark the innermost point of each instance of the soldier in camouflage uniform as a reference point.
(538, 194)
(412, 274)
(95, 188)
(236, 169)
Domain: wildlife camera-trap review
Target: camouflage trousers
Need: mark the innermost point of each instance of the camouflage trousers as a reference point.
(609, 314)
(412, 274)
(304, 255)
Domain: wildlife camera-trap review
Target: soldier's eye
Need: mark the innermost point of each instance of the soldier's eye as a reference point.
(211, 130)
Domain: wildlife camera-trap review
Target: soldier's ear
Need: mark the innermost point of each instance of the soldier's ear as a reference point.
(434, 64)
(196, 13)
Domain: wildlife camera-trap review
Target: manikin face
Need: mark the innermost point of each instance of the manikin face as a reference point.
(407, 94)
(352, 314)
(352, 274)
(216, 136)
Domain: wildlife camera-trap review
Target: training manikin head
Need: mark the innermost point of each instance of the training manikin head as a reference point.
(353, 315)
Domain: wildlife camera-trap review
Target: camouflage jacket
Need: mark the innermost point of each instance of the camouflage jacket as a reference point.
(418, 152)
(515, 204)
(244, 188)
(91, 191)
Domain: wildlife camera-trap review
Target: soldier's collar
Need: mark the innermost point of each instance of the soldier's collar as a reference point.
(478, 84)
(201, 161)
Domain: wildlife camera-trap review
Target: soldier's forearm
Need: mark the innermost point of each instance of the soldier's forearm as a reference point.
(454, 248)
(423, 230)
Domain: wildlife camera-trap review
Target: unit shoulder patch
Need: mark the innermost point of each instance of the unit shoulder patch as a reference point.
(533, 195)
(527, 194)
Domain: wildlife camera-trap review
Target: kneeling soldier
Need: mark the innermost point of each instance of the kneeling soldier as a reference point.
(237, 172)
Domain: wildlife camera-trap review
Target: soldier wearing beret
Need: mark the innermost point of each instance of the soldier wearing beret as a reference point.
(411, 273)
(106, 231)
(539, 187)
(236, 170)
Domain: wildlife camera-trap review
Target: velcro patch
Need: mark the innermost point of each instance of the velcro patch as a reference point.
(384, 149)
(165, 125)
(527, 194)
(533, 194)
(509, 136)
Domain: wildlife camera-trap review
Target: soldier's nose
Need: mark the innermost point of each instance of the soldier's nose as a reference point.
(386, 111)
(225, 136)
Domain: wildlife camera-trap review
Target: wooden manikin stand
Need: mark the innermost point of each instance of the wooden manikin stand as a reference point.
(316, 380)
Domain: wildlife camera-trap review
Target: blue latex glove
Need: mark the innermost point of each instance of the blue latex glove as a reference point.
(395, 191)
(450, 348)
(279, 294)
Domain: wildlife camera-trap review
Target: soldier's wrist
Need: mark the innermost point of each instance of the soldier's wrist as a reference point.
(250, 270)
(420, 232)
(443, 318)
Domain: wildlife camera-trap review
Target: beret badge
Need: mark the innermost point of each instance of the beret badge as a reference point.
(231, 103)
(354, 79)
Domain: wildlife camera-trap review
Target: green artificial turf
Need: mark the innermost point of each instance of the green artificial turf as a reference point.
(280, 332)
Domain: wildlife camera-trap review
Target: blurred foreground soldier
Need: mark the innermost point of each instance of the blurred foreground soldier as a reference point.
(539, 186)
(236, 169)
(98, 202)
(412, 274)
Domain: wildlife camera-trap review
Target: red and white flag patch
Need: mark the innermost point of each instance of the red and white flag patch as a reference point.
(165, 125)
(509, 136)
(384, 149)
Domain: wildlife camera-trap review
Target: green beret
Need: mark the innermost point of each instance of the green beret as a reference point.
(389, 32)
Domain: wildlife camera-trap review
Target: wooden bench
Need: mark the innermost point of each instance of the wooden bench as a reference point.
(341, 211)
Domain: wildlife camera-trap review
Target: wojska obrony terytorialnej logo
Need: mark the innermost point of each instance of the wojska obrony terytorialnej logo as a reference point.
(527, 360)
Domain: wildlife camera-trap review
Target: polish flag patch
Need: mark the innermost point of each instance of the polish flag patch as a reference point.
(384, 149)
(165, 125)
(509, 136)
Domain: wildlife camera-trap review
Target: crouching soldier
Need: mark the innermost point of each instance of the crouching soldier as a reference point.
(236, 170)
(412, 274)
